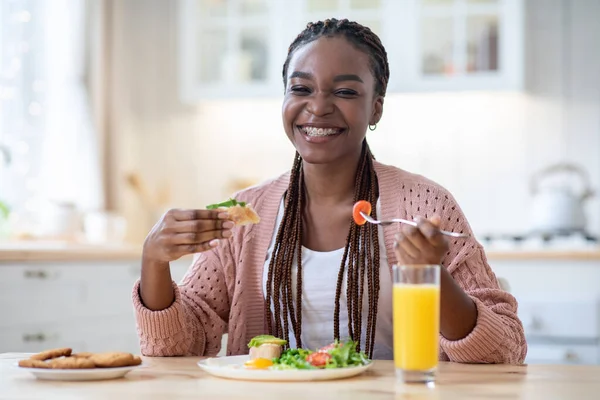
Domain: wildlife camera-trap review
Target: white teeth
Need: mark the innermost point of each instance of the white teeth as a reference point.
(313, 131)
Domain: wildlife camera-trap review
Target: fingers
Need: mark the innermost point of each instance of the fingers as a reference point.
(423, 244)
(199, 237)
(430, 231)
(183, 249)
(405, 246)
(202, 225)
(190, 215)
(415, 237)
(436, 220)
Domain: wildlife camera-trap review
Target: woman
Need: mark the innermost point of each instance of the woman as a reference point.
(306, 272)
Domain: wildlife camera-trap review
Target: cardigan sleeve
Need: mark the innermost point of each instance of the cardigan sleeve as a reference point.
(194, 324)
(498, 335)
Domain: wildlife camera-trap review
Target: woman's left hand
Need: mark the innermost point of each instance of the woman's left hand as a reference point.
(423, 244)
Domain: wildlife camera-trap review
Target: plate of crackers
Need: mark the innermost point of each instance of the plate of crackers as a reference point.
(64, 365)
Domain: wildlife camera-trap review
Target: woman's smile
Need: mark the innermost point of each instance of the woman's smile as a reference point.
(319, 133)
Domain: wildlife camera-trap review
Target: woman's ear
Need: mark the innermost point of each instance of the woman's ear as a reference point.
(377, 110)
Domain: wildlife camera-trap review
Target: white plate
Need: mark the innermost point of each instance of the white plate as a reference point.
(92, 374)
(233, 368)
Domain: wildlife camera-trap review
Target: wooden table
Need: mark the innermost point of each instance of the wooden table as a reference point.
(180, 378)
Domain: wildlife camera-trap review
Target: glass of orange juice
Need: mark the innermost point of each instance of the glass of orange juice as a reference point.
(416, 305)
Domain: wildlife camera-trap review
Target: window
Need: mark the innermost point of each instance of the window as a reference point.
(48, 150)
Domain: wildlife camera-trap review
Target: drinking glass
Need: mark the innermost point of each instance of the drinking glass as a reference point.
(416, 308)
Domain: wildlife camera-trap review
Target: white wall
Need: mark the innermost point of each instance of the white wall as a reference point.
(481, 146)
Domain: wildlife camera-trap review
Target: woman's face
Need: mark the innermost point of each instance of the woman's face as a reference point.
(329, 100)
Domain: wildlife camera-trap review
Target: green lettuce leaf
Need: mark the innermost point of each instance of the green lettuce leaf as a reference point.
(225, 204)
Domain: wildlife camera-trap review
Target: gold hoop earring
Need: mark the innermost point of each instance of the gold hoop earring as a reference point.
(372, 127)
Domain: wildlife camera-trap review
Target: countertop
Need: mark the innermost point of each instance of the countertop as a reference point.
(175, 378)
(565, 255)
(66, 251)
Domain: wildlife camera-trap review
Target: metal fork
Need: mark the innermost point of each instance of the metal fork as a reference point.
(405, 221)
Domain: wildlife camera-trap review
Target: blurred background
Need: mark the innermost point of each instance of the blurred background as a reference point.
(113, 111)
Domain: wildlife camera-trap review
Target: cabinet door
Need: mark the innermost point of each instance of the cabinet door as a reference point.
(81, 334)
(49, 292)
(228, 48)
(40, 293)
(459, 45)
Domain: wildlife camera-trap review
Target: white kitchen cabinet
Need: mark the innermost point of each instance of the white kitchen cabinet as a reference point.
(452, 45)
(230, 48)
(85, 305)
(559, 306)
(236, 48)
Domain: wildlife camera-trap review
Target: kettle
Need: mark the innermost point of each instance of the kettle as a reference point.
(557, 207)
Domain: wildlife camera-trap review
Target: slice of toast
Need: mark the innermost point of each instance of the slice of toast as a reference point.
(243, 215)
(240, 212)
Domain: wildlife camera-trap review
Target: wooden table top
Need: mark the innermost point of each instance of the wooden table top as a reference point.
(180, 378)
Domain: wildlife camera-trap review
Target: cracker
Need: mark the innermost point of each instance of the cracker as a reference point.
(29, 363)
(83, 354)
(113, 359)
(50, 354)
(71, 363)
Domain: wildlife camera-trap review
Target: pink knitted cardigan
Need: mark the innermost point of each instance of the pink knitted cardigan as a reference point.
(222, 290)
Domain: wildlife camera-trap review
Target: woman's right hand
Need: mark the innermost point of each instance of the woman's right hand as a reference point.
(181, 232)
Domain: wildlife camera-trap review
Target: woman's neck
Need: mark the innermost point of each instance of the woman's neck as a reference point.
(329, 184)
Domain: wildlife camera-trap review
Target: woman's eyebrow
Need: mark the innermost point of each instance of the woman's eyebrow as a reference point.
(302, 75)
(347, 77)
(338, 78)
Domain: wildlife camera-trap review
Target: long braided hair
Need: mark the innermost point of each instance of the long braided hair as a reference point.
(360, 259)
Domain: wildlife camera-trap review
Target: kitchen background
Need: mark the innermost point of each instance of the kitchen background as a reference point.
(116, 110)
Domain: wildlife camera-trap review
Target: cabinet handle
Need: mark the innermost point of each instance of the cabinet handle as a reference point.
(34, 337)
(571, 356)
(40, 274)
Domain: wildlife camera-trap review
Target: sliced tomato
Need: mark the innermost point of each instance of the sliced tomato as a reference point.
(318, 360)
(365, 207)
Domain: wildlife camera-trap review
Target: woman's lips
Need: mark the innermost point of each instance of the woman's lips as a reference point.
(319, 134)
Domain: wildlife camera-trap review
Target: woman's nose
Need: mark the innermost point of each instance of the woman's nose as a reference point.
(320, 104)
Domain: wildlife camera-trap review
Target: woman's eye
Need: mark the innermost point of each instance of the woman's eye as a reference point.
(346, 93)
(299, 90)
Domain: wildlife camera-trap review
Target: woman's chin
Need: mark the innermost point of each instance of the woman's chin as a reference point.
(316, 156)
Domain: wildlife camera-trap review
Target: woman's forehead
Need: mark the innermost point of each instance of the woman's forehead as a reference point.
(330, 57)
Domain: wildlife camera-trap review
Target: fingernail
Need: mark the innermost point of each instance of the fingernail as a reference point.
(223, 216)
(228, 225)
(213, 243)
(227, 234)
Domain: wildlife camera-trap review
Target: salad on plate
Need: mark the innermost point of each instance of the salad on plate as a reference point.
(266, 352)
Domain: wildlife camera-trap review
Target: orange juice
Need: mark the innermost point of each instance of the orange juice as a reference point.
(416, 326)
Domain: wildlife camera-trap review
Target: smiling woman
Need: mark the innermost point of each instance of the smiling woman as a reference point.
(307, 273)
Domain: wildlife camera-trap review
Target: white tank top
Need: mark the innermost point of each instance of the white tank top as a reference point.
(319, 281)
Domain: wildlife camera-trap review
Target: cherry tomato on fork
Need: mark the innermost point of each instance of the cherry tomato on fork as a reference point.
(365, 207)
